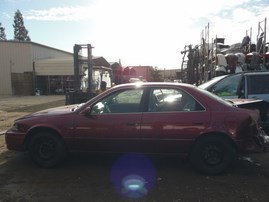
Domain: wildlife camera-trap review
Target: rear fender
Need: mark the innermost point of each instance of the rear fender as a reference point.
(219, 134)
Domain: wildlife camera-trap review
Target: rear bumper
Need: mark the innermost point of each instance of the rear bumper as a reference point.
(258, 143)
(263, 140)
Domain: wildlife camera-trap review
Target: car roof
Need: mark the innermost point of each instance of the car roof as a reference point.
(154, 84)
(256, 72)
(250, 73)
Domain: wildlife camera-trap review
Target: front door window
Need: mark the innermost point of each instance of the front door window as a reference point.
(127, 101)
(227, 87)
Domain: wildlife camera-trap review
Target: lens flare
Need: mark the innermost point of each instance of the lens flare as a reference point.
(133, 175)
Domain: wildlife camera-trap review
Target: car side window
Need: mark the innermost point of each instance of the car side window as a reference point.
(165, 99)
(227, 86)
(126, 101)
(258, 84)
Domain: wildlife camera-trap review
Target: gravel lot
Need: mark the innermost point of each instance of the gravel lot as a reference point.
(91, 177)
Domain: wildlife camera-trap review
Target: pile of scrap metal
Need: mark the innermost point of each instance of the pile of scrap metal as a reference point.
(214, 58)
(233, 59)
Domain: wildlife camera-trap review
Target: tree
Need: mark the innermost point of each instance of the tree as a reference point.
(156, 75)
(2, 32)
(20, 32)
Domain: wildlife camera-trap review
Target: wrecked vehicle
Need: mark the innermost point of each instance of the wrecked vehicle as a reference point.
(151, 118)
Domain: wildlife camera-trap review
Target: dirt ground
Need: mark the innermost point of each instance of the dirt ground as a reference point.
(14, 107)
(93, 177)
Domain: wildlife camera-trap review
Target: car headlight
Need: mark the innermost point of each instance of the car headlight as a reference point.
(19, 127)
(15, 127)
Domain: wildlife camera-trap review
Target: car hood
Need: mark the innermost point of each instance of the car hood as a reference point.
(52, 111)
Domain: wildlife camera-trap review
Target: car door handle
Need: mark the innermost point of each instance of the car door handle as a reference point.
(132, 124)
(198, 123)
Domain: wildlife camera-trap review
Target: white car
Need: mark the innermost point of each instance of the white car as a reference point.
(247, 85)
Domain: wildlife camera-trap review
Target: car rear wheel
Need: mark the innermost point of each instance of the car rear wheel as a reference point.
(212, 154)
(47, 150)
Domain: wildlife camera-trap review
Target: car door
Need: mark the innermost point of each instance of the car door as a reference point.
(110, 123)
(173, 122)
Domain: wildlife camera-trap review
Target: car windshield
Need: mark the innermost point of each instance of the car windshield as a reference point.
(210, 82)
(215, 97)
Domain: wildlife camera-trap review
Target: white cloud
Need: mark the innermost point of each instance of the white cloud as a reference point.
(59, 14)
(153, 30)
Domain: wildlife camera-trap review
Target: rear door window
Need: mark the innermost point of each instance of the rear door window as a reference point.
(167, 100)
(258, 86)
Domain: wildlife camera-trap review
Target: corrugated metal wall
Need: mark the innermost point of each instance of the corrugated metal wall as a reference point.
(43, 52)
(14, 58)
(18, 57)
(54, 67)
(5, 68)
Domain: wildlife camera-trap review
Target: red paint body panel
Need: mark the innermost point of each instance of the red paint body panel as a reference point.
(142, 131)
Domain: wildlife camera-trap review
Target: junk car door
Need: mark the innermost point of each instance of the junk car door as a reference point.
(111, 123)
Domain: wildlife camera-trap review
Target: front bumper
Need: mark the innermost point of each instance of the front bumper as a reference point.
(15, 140)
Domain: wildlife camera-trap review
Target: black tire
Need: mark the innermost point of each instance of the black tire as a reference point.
(212, 154)
(47, 150)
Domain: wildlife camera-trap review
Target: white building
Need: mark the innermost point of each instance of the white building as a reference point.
(27, 66)
(17, 65)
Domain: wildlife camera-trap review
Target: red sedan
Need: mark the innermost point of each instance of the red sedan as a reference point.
(170, 118)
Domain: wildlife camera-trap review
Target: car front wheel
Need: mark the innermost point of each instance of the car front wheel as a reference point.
(212, 155)
(46, 149)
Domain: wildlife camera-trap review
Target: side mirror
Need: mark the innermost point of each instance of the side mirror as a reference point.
(87, 111)
(95, 109)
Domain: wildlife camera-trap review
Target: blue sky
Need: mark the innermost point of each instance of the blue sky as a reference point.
(138, 32)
